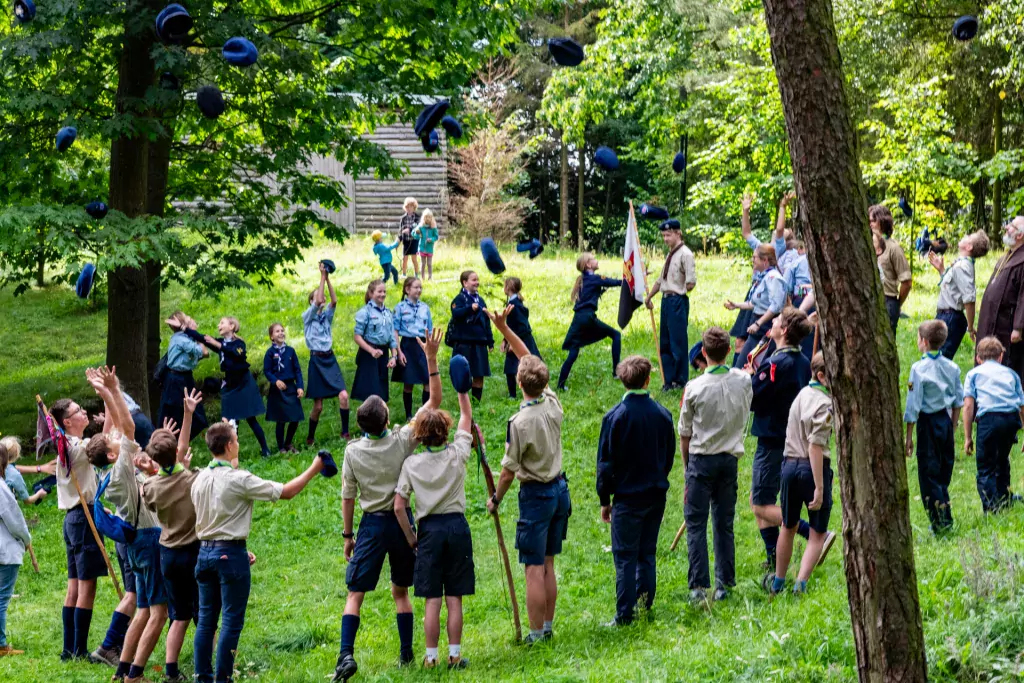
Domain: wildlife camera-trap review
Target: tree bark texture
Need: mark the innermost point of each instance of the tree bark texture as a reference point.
(563, 195)
(997, 186)
(581, 197)
(863, 366)
(156, 191)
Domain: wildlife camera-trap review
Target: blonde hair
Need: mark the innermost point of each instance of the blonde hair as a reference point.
(376, 235)
(581, 265)
(979, 244)
(427, 218)
(407, 285)
(533, 375)
(411, 201)
(236, 327)
(13, 447)
(180, 317)
(990, 348)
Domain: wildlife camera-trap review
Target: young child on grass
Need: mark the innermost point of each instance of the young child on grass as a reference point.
(957, 291)
(994, 399)
(471, 330)
(284, 397)
(374, 334)
(635, 454)
(383, 253)
(411, 240)
(428, 235)
(934, 399)
(443, 544)
(223, 496)
(518, 321)
(533, 455)
(370, 474)
(323, 377)
(413, 322)
(806, 479)
(712, 424)
(13, 472)
(14, 538)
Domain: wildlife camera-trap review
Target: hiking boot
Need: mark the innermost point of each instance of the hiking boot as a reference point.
(346, 668)
(457, 663)
(140, 679)
(769, 563)
(549, 634)
(8, 651)
(102, 655)
(405, 658)
(830, 540)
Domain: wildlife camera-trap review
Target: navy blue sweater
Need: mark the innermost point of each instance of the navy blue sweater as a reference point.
(519, 322)
(469, 326)
(776, 383)
(282, 365)
(636, 450)
(591, 290)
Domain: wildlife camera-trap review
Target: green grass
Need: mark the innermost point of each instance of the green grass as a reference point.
(971, 584)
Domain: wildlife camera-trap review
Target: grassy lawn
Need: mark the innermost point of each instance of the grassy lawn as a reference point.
(970, 584)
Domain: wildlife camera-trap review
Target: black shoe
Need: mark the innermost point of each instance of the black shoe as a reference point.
(548, 635)
(457, 663)
(531, 639)
(345, 669)
(721, 594)
(698, 597)
(406, 658)
(616, 622)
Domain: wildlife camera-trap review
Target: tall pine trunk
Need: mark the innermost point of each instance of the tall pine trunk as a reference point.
(563, 194)
(862, 364)
(580, 200)
(156, 192)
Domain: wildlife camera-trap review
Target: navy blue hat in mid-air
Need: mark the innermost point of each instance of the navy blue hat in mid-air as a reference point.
(458, 371)
(24, 11)
(97, 210)
(429, 117)
(491, 256)
(210, 101)
(452, 126)
(66, 137)
(240, 52)
(965, 28)
(696, 353)
(173, 23)
(84, 284)
(533, 246)
(606, 158)
(670, 224)
(679, 163)
(329, 265)
(330, 467)
(905, 207)
(430, 142)
(653, 213)
(565, 51)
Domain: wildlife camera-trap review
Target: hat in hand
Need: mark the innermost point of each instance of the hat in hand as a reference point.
(210, 101)
(653, 213)
(97, 210)
(606, 158)
(458, 370)
(329, 265)
(240, 52)
(431, 141)
(84, 284)
(670, 224)
(66, 137)
(45, 484)
(330, 467)
(965, 28)
(679, 163)
(696, 353)
(24, 11)
(452, 126)
(429, 117)
(491, 256)
(566, 51)
(173, 24)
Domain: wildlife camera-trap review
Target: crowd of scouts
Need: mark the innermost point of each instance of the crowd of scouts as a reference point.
(186, 558)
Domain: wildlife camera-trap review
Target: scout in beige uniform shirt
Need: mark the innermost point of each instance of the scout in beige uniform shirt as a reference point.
(719, 426)
(67, 496)
(810, 422)
(372, 467)
(438, 478)
(223, 497)
(534, 447)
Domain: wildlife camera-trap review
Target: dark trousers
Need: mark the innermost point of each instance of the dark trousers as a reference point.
(711, 487)
(892, 307)
(675, 343)
(389, 271)
(807, 345)
(224, 582)
(636, 521)
(935, 466)
(956, 324)
(997, 432)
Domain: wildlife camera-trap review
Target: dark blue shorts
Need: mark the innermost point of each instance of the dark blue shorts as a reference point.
(767, 472)
(127, 575)
(798, 491)
(444, 560)
(543, 520)
(380, 535)
(178, 568)
(144, 559)
(85, 557)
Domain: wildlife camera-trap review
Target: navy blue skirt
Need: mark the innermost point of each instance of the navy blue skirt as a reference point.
(323, 376)
(476, 354)
(172, 402)
(371, 375)
(415, 370)
(284, 406)
(512, 363)
(743, 320)
(241, 401)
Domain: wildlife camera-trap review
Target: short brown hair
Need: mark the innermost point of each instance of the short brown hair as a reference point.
(766, 252)
(634, 372)
(59, 410)
(218, 436)
(817, 364)
(163, 448)
(716, 344)
(979, 244)
(96, 450)
(465, 275)
(5, 457)
(270, 330)
(990, 348)
(934, 332)
(880, 214)
(372, 415)
(533, 375)
(431, 428)
(796, 324)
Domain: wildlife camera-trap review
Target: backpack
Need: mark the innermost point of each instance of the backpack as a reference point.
(160, 371)
(109, 525)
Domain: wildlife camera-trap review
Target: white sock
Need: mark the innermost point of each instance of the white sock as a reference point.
(432, 653)
(537, 634)
(548, 625)
(455, 651)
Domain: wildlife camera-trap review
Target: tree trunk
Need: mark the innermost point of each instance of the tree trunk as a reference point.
(156, 191)
(862, 367)
(563, 195)
(997, 186)
(41, 258)
(582, 168)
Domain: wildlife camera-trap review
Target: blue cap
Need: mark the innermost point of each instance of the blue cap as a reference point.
(696, 352)
(491, 256)
(173, 23)
(458, 370)
(65, 137)
(330, 467)
(329, 265)
(965, 28)
(431, 141)
(84, 284)
(429, 117)
(565, 51)
(653, 213)
(670, 224)
(452, 126)
(97, 210)
(24, 11)
(210, 101)
(533, 246)
(46, 483)
(240, 52)
(606, 158)
(679, 163)
(905, 207)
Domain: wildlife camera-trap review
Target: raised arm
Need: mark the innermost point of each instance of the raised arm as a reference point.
(745, 226)
(117, 402)
(430, 349)
(191, 400)
(500, 320)
(780, 221)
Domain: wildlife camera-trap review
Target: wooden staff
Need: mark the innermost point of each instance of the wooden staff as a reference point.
(88, 513)
(32, 556)
(679, 534)
(489, 479)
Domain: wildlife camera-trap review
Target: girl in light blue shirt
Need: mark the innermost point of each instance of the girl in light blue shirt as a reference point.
(413, 321)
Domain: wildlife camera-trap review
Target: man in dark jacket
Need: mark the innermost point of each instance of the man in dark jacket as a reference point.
(1002, 307)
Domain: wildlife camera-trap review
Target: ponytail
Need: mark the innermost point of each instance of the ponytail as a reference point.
(581, 265)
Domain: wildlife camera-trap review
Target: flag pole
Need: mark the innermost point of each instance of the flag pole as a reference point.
(654, 325)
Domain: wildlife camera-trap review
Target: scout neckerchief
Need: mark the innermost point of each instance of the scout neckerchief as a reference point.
(815, 384)
(280, 357)
(215, 463)
(168, 471)
(668, 260)
(475, 298)
(376, 437)
(636, 392)
(531, 402)
(436, 449)
(717, 370)
(931, 354)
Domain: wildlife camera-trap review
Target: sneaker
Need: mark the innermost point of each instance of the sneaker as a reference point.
(310, 442)
(405, 658)
(830, 540)
(549, 634)
(117, 678)
(345, 669)
(66, 656)
(698, 597)
(140, 679)
(292, 449)
(180, 678)
(799, 587)
(429, 663)
(531, 639)
(102, 655)
(457, 663)
(614, 623)
(8, 651)
(767, 584)
(721, 594)
(345, 436)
